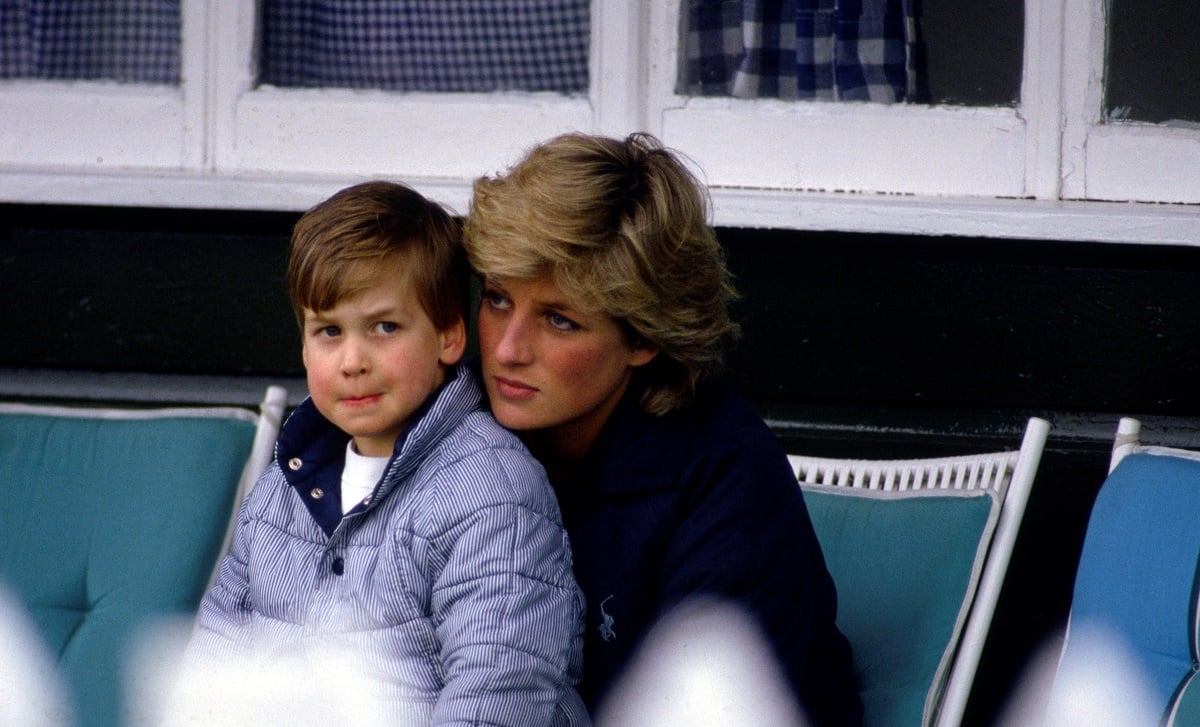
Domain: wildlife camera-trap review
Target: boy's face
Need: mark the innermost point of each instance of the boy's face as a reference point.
(373, 359)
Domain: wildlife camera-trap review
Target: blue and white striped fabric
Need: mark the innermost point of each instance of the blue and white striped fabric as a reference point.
(135, 41)
(452, 585)
(427, 45)
(837, 50)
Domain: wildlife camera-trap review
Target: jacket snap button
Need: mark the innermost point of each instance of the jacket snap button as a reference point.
(295, 463)
(317, 493)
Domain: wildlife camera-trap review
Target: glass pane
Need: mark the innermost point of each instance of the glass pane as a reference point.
(419, 45)
(135, 41)
(926, 51)
(1153, 61)
(972, 52)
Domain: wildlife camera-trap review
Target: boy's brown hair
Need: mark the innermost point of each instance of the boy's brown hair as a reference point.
(345, 243)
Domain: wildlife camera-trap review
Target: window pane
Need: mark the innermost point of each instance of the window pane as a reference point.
(427, 45)
(927, 51)
(972, 52)
(133, 41)
(1153, 61)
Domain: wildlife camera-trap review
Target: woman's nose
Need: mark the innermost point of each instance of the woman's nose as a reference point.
(512, 344)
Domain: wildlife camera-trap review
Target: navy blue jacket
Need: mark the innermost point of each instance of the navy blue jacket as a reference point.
(702, 502)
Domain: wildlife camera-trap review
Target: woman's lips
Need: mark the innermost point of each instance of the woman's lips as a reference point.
(512, 389)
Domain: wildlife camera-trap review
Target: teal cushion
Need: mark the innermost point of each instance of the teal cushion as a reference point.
(1186, 708)
(903, 564)
(108, 523)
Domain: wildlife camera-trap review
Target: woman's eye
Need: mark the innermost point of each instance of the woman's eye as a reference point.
(561, 323)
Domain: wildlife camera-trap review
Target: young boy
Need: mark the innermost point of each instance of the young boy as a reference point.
(399, 520)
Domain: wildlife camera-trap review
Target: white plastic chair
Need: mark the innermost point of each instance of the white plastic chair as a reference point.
(889, 529)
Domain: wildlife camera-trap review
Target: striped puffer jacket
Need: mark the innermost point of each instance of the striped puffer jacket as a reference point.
(451, 586)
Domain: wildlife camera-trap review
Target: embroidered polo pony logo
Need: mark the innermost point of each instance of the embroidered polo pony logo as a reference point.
(606, 622)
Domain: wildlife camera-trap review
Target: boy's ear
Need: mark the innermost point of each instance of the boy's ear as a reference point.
(454, 343)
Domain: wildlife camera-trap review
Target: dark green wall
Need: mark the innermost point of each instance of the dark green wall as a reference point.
(145, 290)
(865, 345)
(959, 322)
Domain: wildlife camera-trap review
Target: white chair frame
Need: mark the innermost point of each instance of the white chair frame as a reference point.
(1129, 440)
(1126, 441)
(262, 451)
(1008, 474)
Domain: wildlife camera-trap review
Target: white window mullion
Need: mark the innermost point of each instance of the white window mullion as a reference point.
(197, 56)
(230, 49)
(662, 50)
(1041, 97)
(619, 66)
(1083, 76)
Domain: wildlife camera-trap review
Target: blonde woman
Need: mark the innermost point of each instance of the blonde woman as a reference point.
(603, 325)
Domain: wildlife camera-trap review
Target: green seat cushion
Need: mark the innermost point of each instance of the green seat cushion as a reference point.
(904, 565)
(108, 523)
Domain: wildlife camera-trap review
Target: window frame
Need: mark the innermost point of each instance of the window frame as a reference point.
(1122, 161)
(1049, 168)
(76, 128)
(849, 147)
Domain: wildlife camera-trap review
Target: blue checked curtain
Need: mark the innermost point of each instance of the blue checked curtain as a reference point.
(118, 40)
(427, 45)
(836, 50)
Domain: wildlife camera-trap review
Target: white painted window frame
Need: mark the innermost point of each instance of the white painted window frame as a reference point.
(1048, 169)
(1120, 161)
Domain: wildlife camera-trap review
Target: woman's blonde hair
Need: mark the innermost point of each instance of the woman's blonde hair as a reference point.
(346, 243)
(622, 226)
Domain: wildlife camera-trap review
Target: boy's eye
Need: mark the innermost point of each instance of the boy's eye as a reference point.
(329, 331)
(495, 299)
(386, 327)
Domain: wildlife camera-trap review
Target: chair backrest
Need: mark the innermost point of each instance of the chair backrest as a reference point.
(918, 549)
(1136, 585)
(115, 517)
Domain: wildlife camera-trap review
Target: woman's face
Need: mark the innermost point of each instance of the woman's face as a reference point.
(551, 368)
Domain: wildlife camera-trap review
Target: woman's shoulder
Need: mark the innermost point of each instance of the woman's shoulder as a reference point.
(717, 417)
(717, 435)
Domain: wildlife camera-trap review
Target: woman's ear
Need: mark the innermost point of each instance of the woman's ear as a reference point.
(643, 354)
(454, 343)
